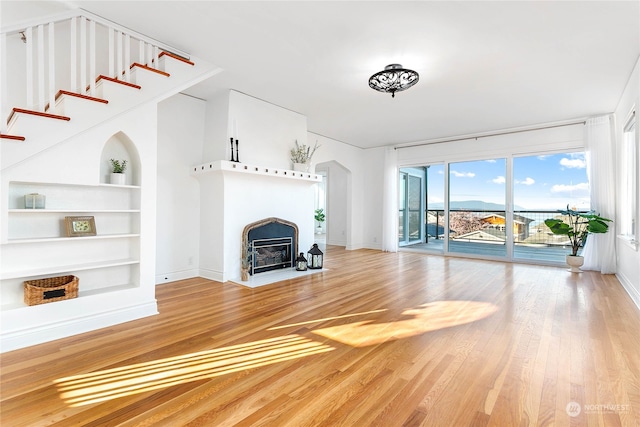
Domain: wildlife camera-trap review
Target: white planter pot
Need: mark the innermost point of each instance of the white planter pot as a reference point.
(300, 167)
(118, 179)
(575, 262)
(318, 230)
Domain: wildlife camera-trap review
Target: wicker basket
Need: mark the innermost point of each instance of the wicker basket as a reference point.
(51, 289)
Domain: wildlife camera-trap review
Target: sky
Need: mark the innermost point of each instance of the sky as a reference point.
(548, 182)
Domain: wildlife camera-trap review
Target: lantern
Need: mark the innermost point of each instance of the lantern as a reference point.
(315, 257)
(301, 262)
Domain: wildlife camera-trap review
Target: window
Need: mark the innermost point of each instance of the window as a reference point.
(629, 174)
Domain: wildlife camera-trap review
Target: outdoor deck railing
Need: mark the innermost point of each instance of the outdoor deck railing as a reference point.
(528, 225)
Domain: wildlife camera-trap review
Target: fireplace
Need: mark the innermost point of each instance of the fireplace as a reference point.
(269, 244)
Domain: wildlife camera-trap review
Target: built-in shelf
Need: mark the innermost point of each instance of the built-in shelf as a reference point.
(27, 211)
(63, 184)
(63, 239)
(32, 272)
(81, 294)
(228, 166)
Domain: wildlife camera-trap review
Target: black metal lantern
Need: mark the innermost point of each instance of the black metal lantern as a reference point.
(315, 257)
(301, 262)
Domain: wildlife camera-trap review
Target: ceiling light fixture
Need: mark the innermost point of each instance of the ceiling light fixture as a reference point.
(393, 79)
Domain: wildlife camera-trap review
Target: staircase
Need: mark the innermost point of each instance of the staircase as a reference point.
(77, 91)
(76, 70)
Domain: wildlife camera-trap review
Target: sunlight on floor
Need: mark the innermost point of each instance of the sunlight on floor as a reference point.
(110, 384)
(408, 323)
(376, 326)
(344, 316)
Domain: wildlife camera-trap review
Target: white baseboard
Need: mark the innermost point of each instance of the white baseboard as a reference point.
(50, 332)
(633, 292)
(176, 275)
(218, 276)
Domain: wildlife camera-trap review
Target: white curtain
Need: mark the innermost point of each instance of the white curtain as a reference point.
(600, 250)
(390, 201)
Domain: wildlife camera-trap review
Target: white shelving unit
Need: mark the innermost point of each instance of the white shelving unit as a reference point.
(105, 262)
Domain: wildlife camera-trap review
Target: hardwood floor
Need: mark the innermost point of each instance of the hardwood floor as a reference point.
(376, 339)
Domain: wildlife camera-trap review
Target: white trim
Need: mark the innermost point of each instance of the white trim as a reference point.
(214, 275)
(176, 275)
(24, 338)
(631, 291)
(629, 241)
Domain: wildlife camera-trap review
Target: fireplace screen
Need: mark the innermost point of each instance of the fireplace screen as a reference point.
(270, 254)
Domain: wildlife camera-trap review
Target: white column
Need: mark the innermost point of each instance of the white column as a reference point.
(4, 110)
(40, 63)
(118, 55)
(83, 54)
(73, 57)
(141, 51)
(92, 57)
(29, 70)
(112, 65)
(127, 57)
(52, 68)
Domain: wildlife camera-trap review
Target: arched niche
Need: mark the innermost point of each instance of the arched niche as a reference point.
(119, 146)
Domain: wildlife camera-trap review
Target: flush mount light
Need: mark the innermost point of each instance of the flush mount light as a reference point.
(393, 79)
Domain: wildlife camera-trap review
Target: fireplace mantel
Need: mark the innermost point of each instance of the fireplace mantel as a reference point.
(244, 168)
(233, 195)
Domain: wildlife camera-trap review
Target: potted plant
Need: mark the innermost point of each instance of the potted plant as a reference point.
(319, 217)
(577, 226)
(118, 167)
(301, 156)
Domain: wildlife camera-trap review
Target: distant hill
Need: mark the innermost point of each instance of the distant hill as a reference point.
(473, 205)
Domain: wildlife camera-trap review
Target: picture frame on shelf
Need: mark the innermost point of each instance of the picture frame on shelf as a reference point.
(77, 226)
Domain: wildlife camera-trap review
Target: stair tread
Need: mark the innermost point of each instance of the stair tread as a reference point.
(14, 137)
(111, 79)
(78, 95)
(37, 113)
(146, 67)
(179, 58)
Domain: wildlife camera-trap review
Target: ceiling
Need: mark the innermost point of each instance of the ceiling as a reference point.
(484, 66)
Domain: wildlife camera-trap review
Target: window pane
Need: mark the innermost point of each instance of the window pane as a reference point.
(542, 185)
(477, 207)
(629, 170)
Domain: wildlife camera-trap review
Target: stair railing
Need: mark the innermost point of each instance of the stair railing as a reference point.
(67, 51)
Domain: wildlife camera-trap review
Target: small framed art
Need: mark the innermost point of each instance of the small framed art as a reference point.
(80, 226)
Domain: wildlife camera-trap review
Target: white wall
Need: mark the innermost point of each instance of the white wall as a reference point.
(349, 178)
(374, 177)
(216, 143)
(559, 139)
(628, 257)
(77, 162)
(266, 132)
(337, 202)
(181, 121)
(230, 200)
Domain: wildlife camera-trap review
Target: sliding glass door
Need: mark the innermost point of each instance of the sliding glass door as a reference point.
(542, 185)
(477, 214)
(494, 208)
(411, 206)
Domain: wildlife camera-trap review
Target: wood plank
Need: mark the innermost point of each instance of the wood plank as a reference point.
(377, 339)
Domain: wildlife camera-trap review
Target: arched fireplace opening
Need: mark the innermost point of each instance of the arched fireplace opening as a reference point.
(269, 244)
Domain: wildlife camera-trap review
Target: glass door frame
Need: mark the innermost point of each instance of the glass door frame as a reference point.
(405, 208)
